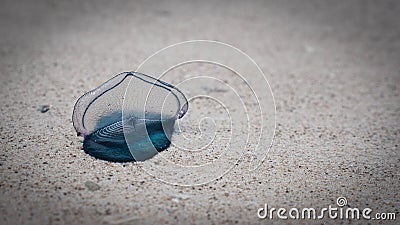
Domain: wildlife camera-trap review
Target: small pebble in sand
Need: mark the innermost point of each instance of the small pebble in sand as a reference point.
(44, 108)
(92, 186)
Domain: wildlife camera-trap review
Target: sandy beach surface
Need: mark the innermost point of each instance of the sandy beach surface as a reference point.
(333, 66)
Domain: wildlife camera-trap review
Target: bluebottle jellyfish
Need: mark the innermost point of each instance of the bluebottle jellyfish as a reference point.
(129, 118)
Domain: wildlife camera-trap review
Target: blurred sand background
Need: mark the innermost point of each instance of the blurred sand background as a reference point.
(334, 68)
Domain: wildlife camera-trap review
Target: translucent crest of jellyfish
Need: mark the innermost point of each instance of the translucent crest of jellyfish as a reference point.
(136, 133)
